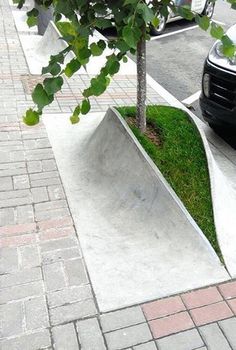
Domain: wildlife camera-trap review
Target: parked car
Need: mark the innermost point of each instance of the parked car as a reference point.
(218, 97)
(204, 7)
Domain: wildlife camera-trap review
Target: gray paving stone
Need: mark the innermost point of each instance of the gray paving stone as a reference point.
(15, 194)
(51, 214)
(20, 277)
(25, 214)
(36, 313)
(90, 335)
(229, 329)
(122, 318)
(49, 165)
(148, 346)
(69, 295)
(39, 194)
(76, 273)
(21, 182)
(45, 182)
(29, 256)
(21, 291)
(6, 184)
(72, 312)
(54, 276)
(4, 157)
(11, 202)
(127, 337)
(65, 337)
(59, 255)
(7, 216)
(8, 260)
(187, 340)
(214, 338)
(34, 341)
(39, 154)
(10, 169)
(34, 166)
(11, 319)
(56, 192)
(58, 244)
(44, 175)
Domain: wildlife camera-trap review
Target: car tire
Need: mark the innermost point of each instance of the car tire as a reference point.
(209, 9)
(160, 28)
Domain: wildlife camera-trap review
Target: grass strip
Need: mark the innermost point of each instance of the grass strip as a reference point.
(181, 158)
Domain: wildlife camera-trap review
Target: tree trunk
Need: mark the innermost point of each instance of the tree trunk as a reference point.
(44, 17)
(142, 84)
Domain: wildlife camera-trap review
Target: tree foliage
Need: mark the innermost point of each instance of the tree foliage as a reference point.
(76, 20)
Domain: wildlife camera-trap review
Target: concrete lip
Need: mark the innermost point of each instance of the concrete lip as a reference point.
(138, 240)
(20, 19)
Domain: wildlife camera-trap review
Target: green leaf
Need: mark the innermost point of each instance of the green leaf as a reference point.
(52, 85)
(203, 22)
(101, 44)
(95, 49)
(147, 12)
(122, 46)
(32, 21)
(228, 47)
(131, 35)
(87, 92)
(66, 28)
(85, 106)
(75, 116)
(185, 12)
(98, 86)
(112, 65)
(103, 23)
(130, 2)
(40, 97)
(31, 117)
(58, 58)
(54, 68)
(125, 59)
(216, 31)
(84, 53)
(155, 21)
(74, 119)
(72, 67)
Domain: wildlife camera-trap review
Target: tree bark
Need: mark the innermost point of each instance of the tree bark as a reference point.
(141, 82)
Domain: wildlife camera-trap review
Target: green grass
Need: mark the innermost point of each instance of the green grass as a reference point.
(181, 159)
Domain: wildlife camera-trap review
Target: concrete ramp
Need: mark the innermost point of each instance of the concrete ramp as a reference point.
(39, 49)
(138, 240)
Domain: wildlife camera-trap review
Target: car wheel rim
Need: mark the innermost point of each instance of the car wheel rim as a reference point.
(210, 9)
(161, 24)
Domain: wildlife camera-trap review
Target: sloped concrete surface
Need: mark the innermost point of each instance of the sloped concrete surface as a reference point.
(138, 240)
(39, 49)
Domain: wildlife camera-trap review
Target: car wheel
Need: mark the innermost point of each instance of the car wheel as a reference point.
(209, 9)
(158, 30)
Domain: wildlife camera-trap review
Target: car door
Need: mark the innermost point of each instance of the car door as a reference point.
(198, 5)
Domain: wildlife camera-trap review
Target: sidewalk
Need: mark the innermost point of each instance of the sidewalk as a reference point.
(47, 301)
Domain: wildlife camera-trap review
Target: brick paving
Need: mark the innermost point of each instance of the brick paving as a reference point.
(46, 299)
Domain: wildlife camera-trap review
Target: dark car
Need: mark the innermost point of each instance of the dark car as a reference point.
(218, 97)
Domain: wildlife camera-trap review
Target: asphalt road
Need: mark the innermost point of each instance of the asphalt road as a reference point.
(176, 61)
